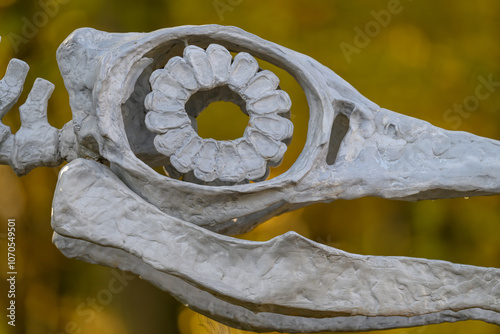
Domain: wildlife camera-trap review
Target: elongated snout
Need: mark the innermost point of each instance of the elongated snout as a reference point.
(390, 155)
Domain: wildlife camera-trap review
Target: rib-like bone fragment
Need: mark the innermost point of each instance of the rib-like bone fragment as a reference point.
(11, 87)
(37, 142)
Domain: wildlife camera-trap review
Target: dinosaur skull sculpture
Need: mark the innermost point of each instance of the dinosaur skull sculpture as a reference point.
(135, 99)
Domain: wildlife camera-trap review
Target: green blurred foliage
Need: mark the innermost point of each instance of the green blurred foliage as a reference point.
(424, 61)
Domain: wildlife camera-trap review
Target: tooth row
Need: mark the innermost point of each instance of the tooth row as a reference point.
(234, 161)
(203, 70)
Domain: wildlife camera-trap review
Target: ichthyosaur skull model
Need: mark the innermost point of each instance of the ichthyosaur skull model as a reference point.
(135, 98)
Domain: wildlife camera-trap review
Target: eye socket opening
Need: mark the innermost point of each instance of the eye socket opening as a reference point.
(218, 113)
(221, 120)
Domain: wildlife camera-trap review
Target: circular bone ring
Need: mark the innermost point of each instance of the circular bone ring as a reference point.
(173, 105)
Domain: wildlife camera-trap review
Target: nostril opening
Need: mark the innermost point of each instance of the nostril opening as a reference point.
(339, 130)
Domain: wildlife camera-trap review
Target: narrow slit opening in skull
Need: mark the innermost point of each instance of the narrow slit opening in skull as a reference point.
(339, 130)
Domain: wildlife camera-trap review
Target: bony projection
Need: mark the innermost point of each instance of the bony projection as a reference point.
(135, 99)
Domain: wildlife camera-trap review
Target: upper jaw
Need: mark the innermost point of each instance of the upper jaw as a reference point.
(354, 148)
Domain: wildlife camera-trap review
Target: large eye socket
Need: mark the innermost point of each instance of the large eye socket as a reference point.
(186, 85)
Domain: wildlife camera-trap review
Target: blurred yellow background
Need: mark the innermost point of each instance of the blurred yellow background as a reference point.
(424, 59)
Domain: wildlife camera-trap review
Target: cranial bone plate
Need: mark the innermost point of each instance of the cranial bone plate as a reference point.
(135, 99)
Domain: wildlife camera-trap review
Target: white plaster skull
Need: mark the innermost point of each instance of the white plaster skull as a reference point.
(134, 99)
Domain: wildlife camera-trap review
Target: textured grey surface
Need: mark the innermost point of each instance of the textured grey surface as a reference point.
(135, 99)
(288, 275)
(240, 317)
(37, 142)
